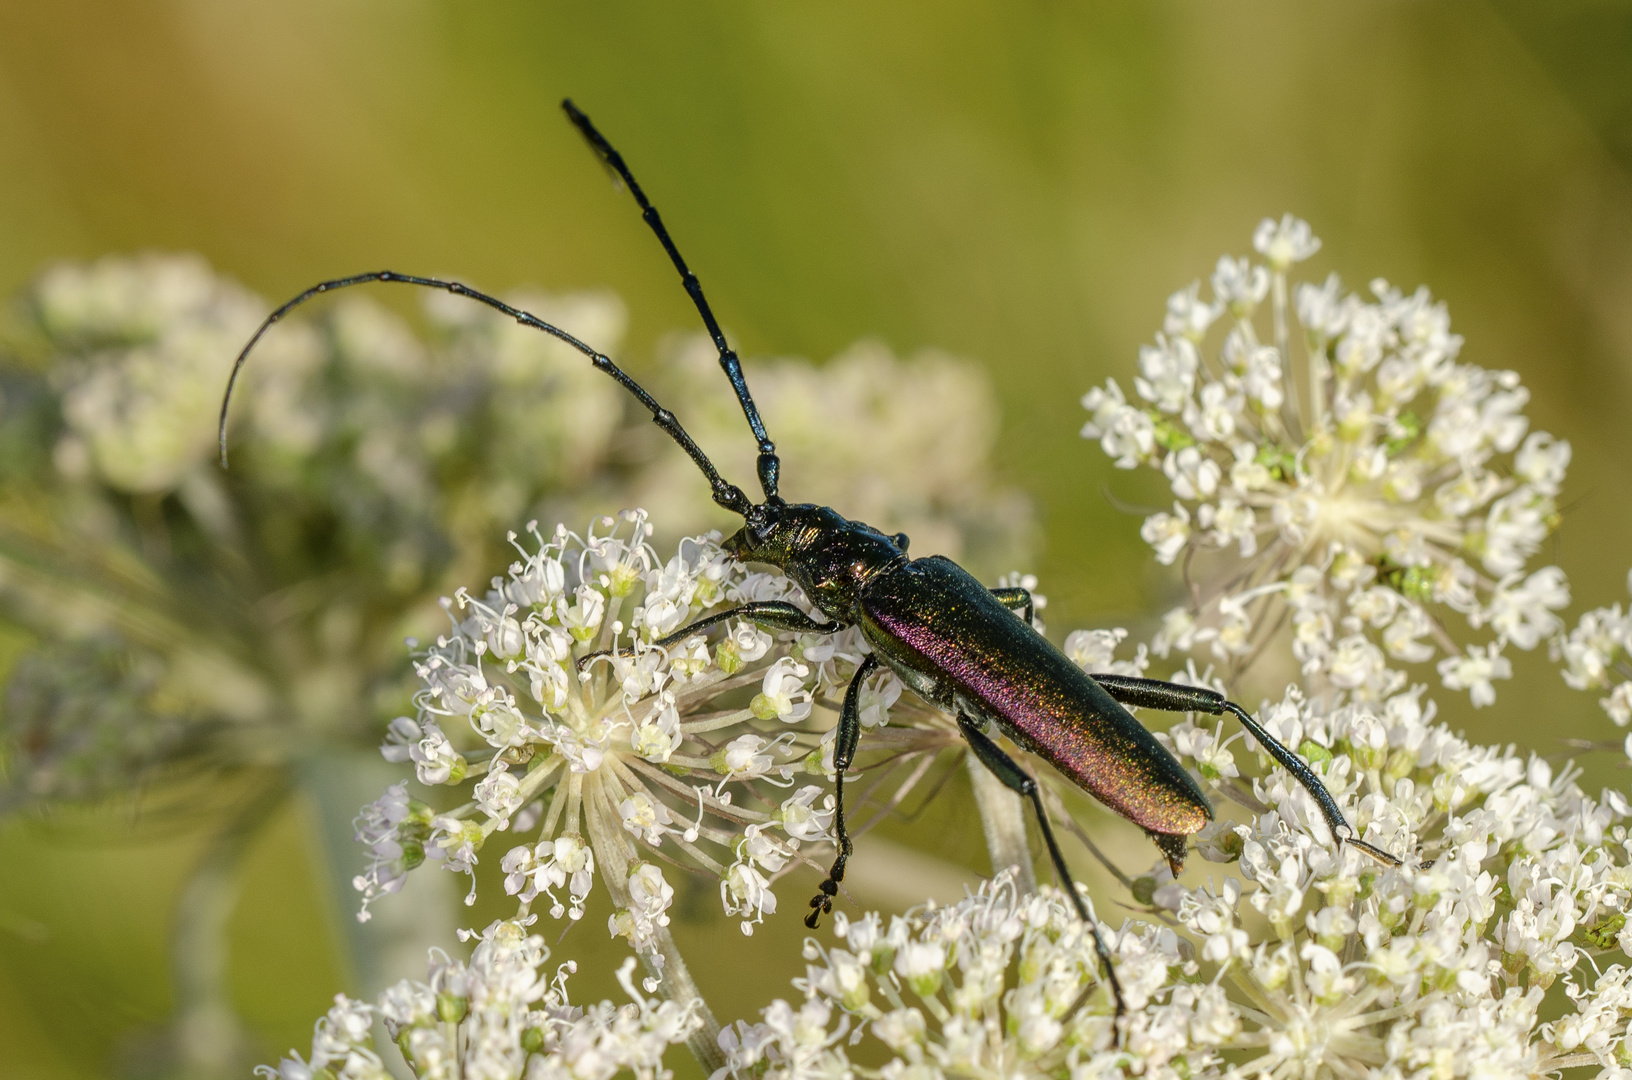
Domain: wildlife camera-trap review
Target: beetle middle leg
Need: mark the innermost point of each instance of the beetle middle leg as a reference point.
(844, 753)
(776, 614)
(1015, 599)
(1023, 784)
(1178, 697)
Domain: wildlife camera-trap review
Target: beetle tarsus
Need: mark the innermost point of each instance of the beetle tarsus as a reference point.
(822, 903)
(845, 741)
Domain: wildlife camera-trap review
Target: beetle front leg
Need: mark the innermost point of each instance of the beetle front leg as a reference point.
(776, 614)
(844, 753)
(1177, 697)
(1023, 784)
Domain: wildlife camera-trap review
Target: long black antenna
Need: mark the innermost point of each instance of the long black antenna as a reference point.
(769, 464)
(726, 494)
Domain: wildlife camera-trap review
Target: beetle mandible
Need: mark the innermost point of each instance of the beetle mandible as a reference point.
(952, 641)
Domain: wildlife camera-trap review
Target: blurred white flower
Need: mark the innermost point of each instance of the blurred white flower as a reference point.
(156, 336)
(369, 455)
(1095, 652)
(1284, 242)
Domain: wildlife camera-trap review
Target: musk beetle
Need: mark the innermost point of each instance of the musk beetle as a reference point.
(960, 646)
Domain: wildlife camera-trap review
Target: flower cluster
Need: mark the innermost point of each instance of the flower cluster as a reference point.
(367, 455)
(641, 755)
(499, 1015)
(1597, 655)
(1357, 506)
(150, 341)
(1302, 958)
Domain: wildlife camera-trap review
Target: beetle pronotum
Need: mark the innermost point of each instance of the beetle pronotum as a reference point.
(952, 641)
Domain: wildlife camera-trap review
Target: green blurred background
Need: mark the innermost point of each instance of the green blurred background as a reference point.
(1021, 183)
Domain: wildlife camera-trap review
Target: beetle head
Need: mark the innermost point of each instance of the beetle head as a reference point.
(828, 556)
(793, 537)
(774, 532)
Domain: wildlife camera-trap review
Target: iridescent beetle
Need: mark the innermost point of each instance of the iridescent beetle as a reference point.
(952, 641)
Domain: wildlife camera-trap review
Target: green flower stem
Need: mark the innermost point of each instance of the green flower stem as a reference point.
(393, 943)
(1003, 820)
(209, 1037)
(679, 987)
(661, 957)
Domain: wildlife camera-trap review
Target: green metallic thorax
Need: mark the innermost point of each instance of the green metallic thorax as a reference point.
(830, 557)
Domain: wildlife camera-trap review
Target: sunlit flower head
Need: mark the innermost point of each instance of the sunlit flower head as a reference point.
(707, 754)
(1286, 956)
(1361, 498)
(500, 1014)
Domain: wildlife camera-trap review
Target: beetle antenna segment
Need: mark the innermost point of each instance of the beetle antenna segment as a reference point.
(726, 494)
(769, 464)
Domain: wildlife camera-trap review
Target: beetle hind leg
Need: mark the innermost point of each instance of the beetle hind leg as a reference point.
(1023, 784)
(1179, 697)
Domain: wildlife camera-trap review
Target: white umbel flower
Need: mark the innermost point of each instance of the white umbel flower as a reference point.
(605, 775)
(1293, 958)
(498, 1015)
(1367, 498)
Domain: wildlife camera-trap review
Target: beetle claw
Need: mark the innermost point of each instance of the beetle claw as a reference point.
(821, 904)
